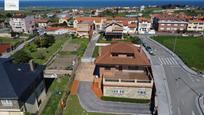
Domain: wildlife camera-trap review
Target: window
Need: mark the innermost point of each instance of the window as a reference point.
(107, 68)
(168, 24)
(175, 24)
(6, 103)
(141, 92)
(182, 24)
(162, 24)
(130, 81)
(112, 80)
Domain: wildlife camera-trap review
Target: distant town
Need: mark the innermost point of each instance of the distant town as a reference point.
(146, 60)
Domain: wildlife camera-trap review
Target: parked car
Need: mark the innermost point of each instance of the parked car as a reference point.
(149, 49)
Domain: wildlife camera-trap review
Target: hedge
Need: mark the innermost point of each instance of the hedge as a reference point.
(130, 100)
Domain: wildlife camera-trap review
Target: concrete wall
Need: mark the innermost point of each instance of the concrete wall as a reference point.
(11, 113)
(36, 97)
(127, 92)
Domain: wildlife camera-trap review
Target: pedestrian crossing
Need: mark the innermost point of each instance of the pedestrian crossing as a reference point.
(167, 61)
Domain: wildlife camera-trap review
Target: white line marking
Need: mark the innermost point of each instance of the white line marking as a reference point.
(169, 61)
(193, 113)
(160, 61)
(179, 111)
(175, 61)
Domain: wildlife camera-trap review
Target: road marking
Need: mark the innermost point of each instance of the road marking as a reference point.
(179, 111)
(193, 113)
(167, 61)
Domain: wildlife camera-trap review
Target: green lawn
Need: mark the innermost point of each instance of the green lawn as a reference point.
(74, 108)
(95, 53)
(13, 42)
(48, 52)
(58, 86)
(129, 100)
(83, 45)
(190, 49)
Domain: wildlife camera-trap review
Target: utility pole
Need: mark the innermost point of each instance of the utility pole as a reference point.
(175, 44)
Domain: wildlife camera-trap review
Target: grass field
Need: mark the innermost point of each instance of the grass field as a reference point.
(58, 85)
(190, 49)
(74, 108)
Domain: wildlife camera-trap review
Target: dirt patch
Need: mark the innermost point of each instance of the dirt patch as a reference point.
(70, 47)
(62, 62)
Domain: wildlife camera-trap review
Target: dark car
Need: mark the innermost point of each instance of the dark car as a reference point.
(149, 49)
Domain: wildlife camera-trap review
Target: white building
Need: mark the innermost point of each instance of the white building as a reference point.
(21, 23)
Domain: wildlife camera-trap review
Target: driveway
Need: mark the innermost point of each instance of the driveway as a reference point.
(87, 57)
(92, 104)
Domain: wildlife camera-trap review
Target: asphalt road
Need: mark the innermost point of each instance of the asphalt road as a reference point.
(184, 87)
(92, 104)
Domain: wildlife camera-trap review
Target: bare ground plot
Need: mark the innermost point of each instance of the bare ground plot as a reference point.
(61, 62)
(70, 47)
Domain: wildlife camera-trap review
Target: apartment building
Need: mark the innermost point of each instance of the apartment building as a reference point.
(196, 25)
(21, 23)
(124, 71)
(169, 22)
(22, 88)
(144, 25)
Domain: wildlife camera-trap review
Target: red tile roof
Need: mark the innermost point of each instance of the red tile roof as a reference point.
(4, 47)
(41, 20)
(122, 47)
(96, 19)
(58, 28)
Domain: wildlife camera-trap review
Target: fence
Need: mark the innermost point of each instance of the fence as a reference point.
(66, 92)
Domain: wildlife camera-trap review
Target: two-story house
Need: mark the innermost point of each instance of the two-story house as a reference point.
(113, 31)
(22, 88)
(124, 71)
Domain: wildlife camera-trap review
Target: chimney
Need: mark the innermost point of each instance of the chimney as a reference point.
(31, 65)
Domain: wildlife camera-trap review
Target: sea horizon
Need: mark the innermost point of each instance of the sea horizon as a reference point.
(101, 3)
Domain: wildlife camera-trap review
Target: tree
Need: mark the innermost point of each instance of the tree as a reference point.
(22, 56)
(41, 54)
(45, 41)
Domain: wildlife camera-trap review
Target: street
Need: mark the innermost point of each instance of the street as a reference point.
(184, 87)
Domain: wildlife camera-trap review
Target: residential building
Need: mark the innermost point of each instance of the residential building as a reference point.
(196, 25)
(169, 22)
(124, 71)
(113, 31)
(22, 87)
(85, 29)
(97, 21)
(41, 23)
(144, 25)
(21, 23)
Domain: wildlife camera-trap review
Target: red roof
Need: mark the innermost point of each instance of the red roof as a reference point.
(106, 57)
(4, 47)
(41, 20)
(96, 19)
(58, 28)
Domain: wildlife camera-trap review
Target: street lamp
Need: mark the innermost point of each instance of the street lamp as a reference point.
(175, 44)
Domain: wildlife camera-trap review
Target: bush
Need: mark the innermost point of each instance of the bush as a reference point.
(130, 100)
(41, 54)
(45, 41)
(22, 56)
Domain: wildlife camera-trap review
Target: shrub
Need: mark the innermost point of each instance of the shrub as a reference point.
(130, 100)
(22, 56)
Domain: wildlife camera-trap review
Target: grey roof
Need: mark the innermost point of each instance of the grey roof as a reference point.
(16, 79)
